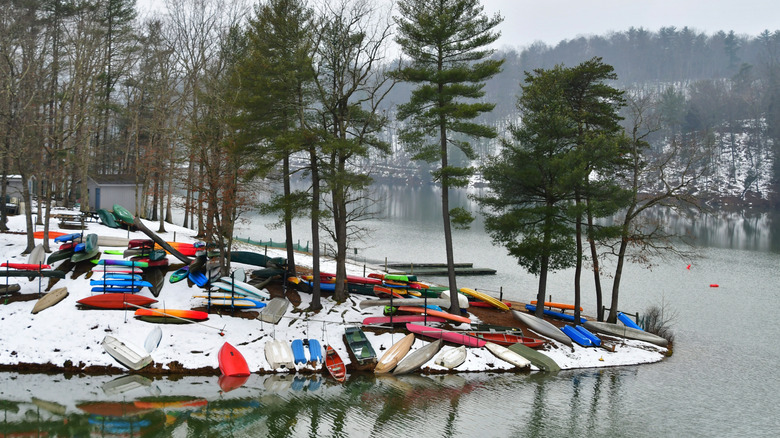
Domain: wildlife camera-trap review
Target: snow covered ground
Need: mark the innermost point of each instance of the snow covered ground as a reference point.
(65, 333)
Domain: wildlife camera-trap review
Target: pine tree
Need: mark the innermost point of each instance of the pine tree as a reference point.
(446, 42)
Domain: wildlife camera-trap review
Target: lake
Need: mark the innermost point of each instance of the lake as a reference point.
(721, 380)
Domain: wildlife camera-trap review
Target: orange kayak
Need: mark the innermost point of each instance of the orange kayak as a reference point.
(174, 316)
(431, 312)
(561, 306)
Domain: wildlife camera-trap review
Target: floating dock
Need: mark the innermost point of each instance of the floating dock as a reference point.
(437, 269)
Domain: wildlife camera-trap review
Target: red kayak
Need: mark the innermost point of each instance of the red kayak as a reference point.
(25, 266)
(401, 319)
(116, 301)
(447, 335)
(232, 362)
(507, 339)
(335, 365)
(477, 303)
(141, 243)
(350, 278)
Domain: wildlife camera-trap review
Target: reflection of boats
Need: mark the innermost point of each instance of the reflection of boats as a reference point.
(537, 358)
(112, 409)
(170, 402)
(229, 383)
(53, 407)
(125, 383)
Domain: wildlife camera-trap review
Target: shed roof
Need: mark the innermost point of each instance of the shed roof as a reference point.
(113, 180)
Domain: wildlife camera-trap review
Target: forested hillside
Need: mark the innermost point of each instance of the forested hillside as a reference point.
(723, 89)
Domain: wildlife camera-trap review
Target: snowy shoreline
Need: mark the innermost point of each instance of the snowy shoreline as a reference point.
(64, 338)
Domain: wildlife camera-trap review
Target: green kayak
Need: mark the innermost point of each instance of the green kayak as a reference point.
(123, 215)
(107, 218)
(537, 358)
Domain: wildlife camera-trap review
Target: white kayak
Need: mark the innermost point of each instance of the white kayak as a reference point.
(508, 355)
(279, 355)
(247, 287)
(451, 357)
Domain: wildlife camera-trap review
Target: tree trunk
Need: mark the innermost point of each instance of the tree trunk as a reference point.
(316, 303)
(288, 231)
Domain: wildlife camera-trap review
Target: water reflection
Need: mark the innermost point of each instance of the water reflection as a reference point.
(569, 402)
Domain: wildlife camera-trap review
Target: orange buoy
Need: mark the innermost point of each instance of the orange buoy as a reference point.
(714, 285)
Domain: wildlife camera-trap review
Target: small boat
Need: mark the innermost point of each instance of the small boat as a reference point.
(484, 297)
(315, 351)
(274, 310)
(232, 362)
(116, 289)
(119, 282)
(279, 355)
(27, 266)
(153, 339)
(394, 354)
(537, 358)
(403, 302)
(238, 302)
(507, 339)
(542, 327)
(491, 328)
(463, 301)
(118, 262)
(299, 353)
(66, 237)
(140, 244)
(127, 354)
(418, 358)
(625, 332)
(246, 287)
(116, 301)
(452, 357)
(447, 335)
(401, 319)
(359, 345)
(171, 316)
(334, 364)
(441, 314)
(117, 269)
(122, 215)
(508, 355)
(591, 337)
(560, 306)
(576, 336)
(50, 299)
(107, 218)
(627, 321)
(91, 249)
(558, 315)
(113, 241)
(179, 275)
(385, 292)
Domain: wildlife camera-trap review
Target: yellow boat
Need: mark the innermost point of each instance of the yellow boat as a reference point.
(484, 297)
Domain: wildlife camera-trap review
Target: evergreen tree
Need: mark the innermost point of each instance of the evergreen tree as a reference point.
(446, 45)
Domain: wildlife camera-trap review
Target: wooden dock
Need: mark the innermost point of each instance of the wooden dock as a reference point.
(437, 269)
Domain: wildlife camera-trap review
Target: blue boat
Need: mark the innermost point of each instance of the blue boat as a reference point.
(585, 332)
(576, 336)
(627, 321)
(299, 354)
(315, 351)
(563, 316)
(67, 237)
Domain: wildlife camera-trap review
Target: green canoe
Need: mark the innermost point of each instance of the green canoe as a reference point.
(90, 249)
(537, 358)
(359, 345)
(123, 215)
(107, 218)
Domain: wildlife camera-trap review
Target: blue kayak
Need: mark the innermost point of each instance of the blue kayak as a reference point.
(627, 321)
(299, 354)
(560, 315)
(585, 332)
(576, 336)
(123, 283)
(67, 237)
(315, 351)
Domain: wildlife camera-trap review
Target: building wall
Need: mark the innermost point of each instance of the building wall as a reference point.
(123, 195)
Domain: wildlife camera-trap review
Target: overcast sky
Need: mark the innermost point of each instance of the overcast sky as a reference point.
(551, 21)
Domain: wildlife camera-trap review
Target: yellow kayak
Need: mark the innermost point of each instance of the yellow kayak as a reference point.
(484, 297)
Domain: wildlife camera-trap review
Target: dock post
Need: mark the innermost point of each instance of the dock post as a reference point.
(501, 293)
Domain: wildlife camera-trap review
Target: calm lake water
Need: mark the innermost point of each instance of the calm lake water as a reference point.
(721, 380)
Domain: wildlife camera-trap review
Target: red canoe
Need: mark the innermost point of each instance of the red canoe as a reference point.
(232, 362)
(116, 301)
(449, 336)
(25, 266)
(507, 339)
(350, 278)
(477, 303)
(401, 319)
(335, 365)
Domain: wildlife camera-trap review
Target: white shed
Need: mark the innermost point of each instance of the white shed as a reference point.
(107, 190)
